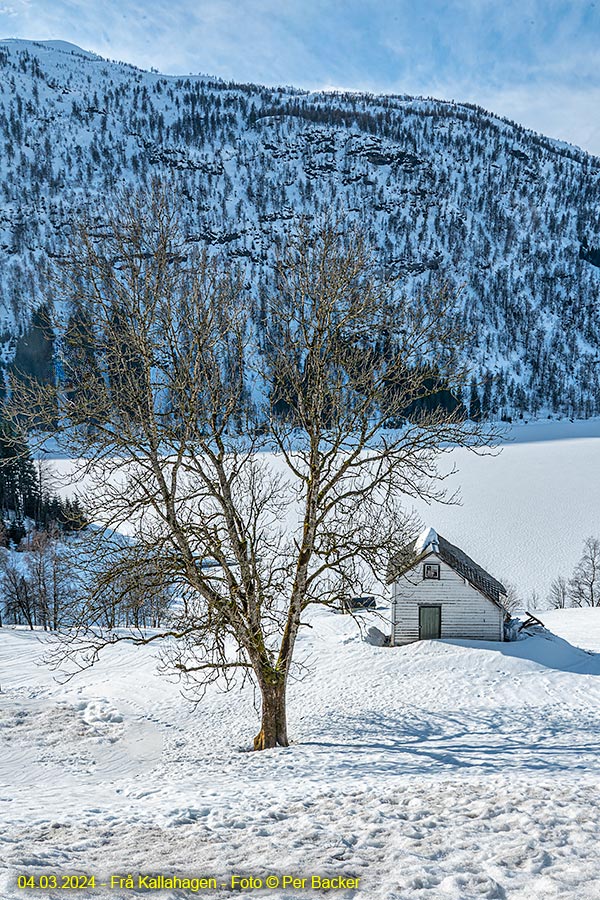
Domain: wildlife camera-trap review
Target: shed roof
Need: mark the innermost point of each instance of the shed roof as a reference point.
(471, 571)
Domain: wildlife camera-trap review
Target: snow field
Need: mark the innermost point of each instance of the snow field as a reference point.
(438, 770)
(442, 839)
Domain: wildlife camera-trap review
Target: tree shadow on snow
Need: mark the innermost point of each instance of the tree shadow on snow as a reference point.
(426, 742)
(538, 731)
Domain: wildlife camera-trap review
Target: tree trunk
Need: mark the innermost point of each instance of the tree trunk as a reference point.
(273, 726)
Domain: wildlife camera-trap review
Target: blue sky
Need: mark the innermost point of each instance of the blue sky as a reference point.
(536, 62)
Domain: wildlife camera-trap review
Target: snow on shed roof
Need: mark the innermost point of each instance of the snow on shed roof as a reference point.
(429, 541)
(428, 537)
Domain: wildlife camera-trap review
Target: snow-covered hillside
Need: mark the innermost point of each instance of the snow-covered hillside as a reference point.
(437, 771)
(447, 191)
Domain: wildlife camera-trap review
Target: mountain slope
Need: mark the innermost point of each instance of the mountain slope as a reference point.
(447, 191)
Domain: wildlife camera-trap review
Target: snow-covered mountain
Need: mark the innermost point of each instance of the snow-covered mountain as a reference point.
(448, 192)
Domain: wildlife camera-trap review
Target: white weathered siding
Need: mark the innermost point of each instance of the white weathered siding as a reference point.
(466, 612)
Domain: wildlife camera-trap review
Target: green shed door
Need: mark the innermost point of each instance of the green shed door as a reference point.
(430, 622)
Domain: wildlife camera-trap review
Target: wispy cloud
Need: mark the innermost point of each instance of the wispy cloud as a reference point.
(537, 61)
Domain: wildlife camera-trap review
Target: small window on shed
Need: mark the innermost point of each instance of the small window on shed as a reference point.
(431, 570)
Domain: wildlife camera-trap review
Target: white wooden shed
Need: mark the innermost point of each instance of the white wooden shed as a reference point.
(440, 592)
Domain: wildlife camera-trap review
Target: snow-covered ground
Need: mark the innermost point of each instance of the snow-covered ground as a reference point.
(437, 771)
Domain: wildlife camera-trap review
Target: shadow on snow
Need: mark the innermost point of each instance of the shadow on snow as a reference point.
(538, 734)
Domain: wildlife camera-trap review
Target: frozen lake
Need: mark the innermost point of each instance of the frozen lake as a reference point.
(525, 511)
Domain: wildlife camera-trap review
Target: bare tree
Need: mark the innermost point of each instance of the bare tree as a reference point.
(180, 396)
(35, 549)
(512, 601)
(49, 576)
(37, 591)
(4, 561)
(19, 597)
(558, 598)
(584, 584)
